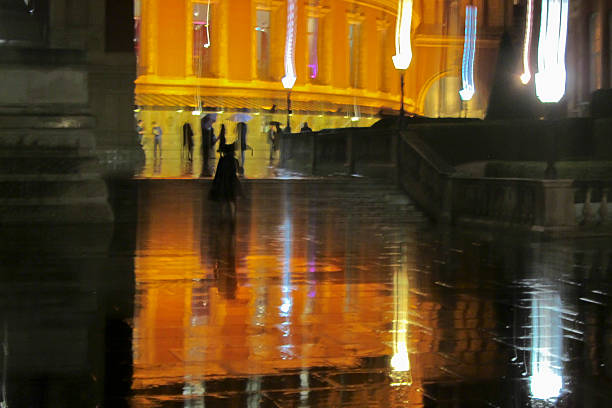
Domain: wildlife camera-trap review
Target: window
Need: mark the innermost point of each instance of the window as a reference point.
(262, 29)
(202, 54)
(384, 60)
(594, 52)
(354, 48)
(313, 47)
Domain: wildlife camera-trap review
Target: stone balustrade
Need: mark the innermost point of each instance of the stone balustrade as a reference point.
(592, 202)
(541, 205)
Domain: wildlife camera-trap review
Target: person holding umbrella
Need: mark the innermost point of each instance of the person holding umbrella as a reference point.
(241, 136)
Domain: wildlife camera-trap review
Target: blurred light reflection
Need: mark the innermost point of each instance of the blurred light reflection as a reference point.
(526, 75)
(400, 362)
(546, 346)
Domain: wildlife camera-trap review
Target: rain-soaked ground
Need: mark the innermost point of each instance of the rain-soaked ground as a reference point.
(325, 293)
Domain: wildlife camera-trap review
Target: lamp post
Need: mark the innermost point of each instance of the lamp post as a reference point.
(288, 128)
(402, 71)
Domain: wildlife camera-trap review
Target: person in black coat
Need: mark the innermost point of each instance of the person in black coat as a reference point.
(226, 187)
(208, 144)
(188, 140)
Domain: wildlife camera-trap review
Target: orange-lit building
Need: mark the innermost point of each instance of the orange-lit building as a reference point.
(225, 56)
(230, 54)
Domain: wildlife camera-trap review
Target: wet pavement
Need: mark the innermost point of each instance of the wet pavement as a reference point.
(324, 293)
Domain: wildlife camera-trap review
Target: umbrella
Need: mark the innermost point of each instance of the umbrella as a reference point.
(240, 117)
(212, 117)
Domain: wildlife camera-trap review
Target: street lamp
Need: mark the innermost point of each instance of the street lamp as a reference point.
(551, 76)
(289, 79)
(403, 52)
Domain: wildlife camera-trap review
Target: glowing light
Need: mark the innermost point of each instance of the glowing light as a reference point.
(546, 346)
(196, 112)
(469, 49)
(207, 45)
(289, 79)
(179, 111)
(551, 75)
(526, 75)
(400, 362)
(403, 50)
(355, 119)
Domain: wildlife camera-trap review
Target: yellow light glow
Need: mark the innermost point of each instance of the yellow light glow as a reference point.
(526, 75)
(403, 50)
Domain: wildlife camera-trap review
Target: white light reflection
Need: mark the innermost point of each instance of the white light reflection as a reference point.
(289, 79)
(206, 25)
(551, 75)
(469, 49)
(546, 346)
(403, 50)
(400, 362)
(526, 75)
(287, 301)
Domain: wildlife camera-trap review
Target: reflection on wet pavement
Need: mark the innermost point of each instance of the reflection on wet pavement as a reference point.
(325, 293)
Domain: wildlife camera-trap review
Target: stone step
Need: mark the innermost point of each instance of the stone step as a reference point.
(31, 163)
(66, 190)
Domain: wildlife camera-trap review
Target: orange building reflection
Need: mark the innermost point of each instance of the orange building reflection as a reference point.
(283, 292)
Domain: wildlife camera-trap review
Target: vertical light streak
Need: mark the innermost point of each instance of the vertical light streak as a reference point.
(400, 362)
(469, 49)
(526, 75)
(289, 79)
(551, 75)
(206, 25)
(403, 50)
(314, 44)
(546, 346)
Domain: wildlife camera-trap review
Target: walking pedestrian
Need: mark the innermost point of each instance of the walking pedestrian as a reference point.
(157, 139)
(208, 143)
(140, 130)
(226, 187)
(188, 140)
(241, 138)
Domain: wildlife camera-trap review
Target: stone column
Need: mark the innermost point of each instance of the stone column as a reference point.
(49, 172)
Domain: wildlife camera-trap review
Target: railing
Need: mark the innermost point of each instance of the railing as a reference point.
(592, 202)
(525, 204)
(365, 151)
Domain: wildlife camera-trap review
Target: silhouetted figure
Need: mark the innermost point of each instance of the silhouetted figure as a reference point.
(225, 187)
(157, 139)
(273, 138)
(241, 139)
(140, 130)
(188, 140)
(208, 144)
(305, 128)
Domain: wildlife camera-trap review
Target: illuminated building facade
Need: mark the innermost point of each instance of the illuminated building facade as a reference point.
(230, 54)
(329, 63)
